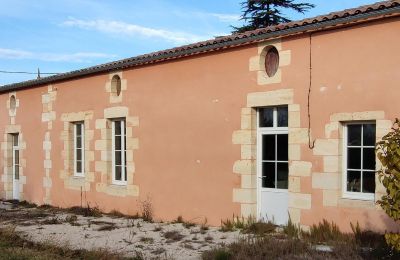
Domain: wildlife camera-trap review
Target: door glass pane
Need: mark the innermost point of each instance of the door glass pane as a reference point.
(369, 134)
(369, 182)
(78, 129)
(16, 153)
(354, 181)
(354, 158)
(117, 143)
(78, 154)
(282, 116)
(79, 142)
(369, 158)
(282, 175)
(118, 176)
(79, 166)
(117, 127)
(282, 146)
(15, 139)
(16, 169)
(266, 117)
(268, 175)
(268, 147)
(118, 158)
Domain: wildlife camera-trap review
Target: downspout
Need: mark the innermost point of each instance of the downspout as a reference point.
(311, 144)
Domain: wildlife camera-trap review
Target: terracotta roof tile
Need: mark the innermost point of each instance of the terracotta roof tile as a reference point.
(354, 15)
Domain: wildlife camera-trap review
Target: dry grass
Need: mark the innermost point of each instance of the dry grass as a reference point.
(85, 211)
(13, 246)
(147, 209)
(299, 244)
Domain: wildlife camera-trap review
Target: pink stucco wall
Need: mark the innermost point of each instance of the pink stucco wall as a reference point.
(189, 108)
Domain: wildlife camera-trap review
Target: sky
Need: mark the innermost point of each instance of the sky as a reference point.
(62, 35)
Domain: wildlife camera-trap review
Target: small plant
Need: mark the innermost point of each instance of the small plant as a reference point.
(208, 238)
(260, 228)
(87, 211)
(148, 240)
(157, 229)
(325, 232)
(203, 226)
(27, 204)
(292, 230)
(107, 227)
(147, 209)
(173, 235)
(388, 153)
(116, 214)
(51, 221)
(179, 219)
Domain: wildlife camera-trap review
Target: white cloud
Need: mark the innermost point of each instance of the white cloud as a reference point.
(128, 29)
(56, 57)
(227, 18)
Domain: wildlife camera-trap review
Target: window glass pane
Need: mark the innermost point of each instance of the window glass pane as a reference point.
(369, 182)
(117, 126)
(369, 134)
(16, 169)
(369, 158)
(15, 140)
(16, 157)
(282, 116)
(79, 166)
(78, 129)
(354, 135)
(117, 143)
(79, 142)
(118, 176)
(354, 158)
(282, 175)
(268, 147)
(118, 158)
(354, 181)
(125, 174)
(268, 175)
(78, 154)
(282, 146)
(266, 117)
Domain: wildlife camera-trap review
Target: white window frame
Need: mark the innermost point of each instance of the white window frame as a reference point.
(82, 125)
(274, 130)
(349, 194)
(124, 177)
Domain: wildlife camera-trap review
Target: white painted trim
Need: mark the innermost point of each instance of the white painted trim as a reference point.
(274, 130)
(347, 194)
(15, 148)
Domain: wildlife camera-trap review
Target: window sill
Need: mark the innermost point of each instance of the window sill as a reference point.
(119, 184)
(353, 202)
(78, 176)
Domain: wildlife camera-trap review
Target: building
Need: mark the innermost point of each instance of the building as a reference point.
(273, 121)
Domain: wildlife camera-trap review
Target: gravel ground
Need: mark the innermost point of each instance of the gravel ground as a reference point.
(116, 234)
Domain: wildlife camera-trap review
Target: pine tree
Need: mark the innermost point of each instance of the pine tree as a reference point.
(264, 13)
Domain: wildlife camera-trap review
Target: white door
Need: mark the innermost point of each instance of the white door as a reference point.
(272, 164)
(15, 166)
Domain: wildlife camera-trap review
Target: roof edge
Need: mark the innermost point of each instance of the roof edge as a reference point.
(326, 22)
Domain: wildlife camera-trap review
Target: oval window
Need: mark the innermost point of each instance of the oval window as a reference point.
(13, 104)
(271, 61)
(116, 85)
